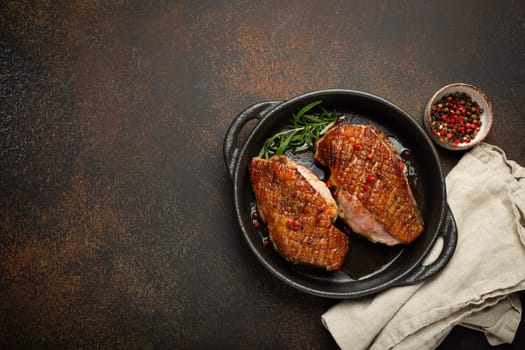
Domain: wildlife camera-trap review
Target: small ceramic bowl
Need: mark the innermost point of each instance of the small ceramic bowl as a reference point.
(461, 132)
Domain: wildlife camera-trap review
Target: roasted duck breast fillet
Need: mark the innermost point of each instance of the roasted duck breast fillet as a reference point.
(299, 212)
(373, 194)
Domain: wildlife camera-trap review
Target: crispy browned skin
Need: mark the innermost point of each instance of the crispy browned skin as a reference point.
(285, 192)
(370, 178)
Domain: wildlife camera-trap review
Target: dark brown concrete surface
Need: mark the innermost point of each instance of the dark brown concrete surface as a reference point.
(117, 227)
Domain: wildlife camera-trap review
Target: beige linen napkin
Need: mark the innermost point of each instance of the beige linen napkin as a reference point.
(486, 193)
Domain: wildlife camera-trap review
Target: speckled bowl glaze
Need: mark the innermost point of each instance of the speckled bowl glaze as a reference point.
(478, 96)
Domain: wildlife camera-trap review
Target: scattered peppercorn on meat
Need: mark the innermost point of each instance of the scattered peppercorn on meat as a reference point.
(373, 194)
(299, 212)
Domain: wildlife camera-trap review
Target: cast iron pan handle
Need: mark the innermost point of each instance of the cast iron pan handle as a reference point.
(231, 145)
(449, 233)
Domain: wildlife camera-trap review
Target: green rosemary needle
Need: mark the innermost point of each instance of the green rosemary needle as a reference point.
(302, 132)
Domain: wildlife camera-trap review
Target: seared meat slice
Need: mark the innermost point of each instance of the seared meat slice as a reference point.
(374, 196)
(299, 211)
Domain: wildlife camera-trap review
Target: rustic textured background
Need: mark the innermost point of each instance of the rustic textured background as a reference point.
(117, 227)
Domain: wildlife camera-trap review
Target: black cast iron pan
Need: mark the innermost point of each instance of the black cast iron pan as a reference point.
(369, 267)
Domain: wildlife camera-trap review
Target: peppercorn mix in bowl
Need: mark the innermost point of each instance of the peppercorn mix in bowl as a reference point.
(458, 116)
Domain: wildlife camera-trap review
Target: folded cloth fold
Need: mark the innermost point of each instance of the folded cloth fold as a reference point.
(486, 193)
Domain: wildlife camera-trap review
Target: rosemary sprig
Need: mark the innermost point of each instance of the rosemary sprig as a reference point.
(302, 132)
